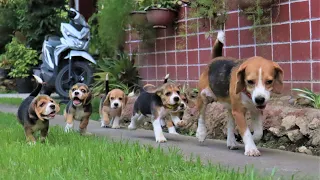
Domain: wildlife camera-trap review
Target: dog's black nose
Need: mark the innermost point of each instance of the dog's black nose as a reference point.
(176, 99)
(116, 104)
(52, 106)
(76, 93)
(259, 100)
(182, 105)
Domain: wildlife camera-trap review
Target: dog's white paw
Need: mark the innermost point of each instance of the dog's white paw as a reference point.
(160, 138)
(252, 151)
(132, 127)
(31, 143)
(232, 143)
(201, 133)
(68, 128)
(172, 130)
(115, 127)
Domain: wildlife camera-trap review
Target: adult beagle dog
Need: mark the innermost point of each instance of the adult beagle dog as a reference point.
(78, 108)
(241, 85)
(35, 112)
(111, 106)
(156, 103)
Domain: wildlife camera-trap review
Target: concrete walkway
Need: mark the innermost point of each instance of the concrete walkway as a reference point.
(215, 151)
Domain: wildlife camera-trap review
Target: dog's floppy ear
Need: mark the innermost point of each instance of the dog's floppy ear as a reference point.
(240, 84)
(88, 99)
(57, 109)
(106, 101)
(125, 99)
(151, 89)
(70, 93)
(34, 111)
(278, 79)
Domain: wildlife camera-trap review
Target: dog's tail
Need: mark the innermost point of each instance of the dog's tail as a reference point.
(37, 90)
(131, 94)
(107, 83)
(218, 45)
(166, 78)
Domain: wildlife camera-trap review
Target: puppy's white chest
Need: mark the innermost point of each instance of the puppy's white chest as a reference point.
(78, 115)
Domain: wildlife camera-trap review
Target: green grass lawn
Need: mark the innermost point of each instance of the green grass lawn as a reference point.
(95, 105)
(71, 156)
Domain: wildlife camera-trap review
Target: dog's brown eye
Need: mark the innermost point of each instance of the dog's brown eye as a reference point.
(112, 98)
(178, 92)
(73, 89)
(168, 93)
(82, 90)
(42, 104)
(269, 82)
(250, 82)
(120, 99)
(51, 101)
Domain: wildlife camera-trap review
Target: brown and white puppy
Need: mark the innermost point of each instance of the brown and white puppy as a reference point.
(79, 107)
(111, 106)
(35, 112)
(240, 85)
(156, 103)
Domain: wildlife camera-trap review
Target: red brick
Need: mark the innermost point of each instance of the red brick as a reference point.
(152, 73)
(263, 35)
(205, 56)
(301, 71)
(232, 21)
(151, 59)
(134, 36)
(202, 68)
(141, 60)
(180, 43)
(316, 87)
(315, 29)
(181, 28)
(316, 71)
(204, 25)
(170, 31)
(203, 41)
(192, 57)
(280, 14)
(286, 88)
(246, 52)
(171, 58)
(246, 37)
(193, 84)
(127, 47)
(316, 50)
(191, 12)
(264, 51)
(161, 73)
(281, 33)
(301, 85)
(301, 51)
(243, 20)
(315, 4)
(134, 46)
(232, 52)
(192, 27)
(170, 44)
(161, 59)
(286, 70)
(193, 72)
(143, 72)
(172, 71)
(192, 42)
(300, 31)
(182, 72)
(300, 10)
(182, 13)
(231, 38)
(160, 45)
(128, 36)
(231, 5)
(181, 57)
(281, 52)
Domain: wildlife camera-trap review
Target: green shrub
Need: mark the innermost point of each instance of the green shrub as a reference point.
(21, 59)
(309, 95)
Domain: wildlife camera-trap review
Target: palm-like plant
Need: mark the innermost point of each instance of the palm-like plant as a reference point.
(308, 94)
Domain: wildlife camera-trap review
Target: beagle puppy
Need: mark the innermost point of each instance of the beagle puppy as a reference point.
(111, 106)
(35, 112)
(240, 85)
(156, 103)
(78, 108)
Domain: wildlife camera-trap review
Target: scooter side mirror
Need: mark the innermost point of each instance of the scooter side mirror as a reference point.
(72, 14)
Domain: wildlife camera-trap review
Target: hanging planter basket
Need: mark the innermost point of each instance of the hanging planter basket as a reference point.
(138, 18)
(161, 17)
(243, 4)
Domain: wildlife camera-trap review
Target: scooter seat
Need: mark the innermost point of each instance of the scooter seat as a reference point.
(54, 40)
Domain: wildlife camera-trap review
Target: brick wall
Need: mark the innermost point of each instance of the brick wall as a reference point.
(293, 41)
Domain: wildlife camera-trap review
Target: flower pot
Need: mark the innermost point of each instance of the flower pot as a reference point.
(24, 85)
(138, 18)
(161, 17)
(243, 4)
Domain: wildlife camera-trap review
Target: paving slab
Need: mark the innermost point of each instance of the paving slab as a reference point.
(214, 151)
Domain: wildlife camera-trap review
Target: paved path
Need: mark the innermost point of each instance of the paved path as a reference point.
(21, 95)
(215, 151)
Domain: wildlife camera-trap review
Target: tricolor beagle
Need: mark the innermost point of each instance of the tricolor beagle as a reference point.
(240, 85)
(35, 111)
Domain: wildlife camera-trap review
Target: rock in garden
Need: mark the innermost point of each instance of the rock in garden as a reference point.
(282, 147)
(288, 122)
(302, 123)
(315, 123)
(294, 135)
(275, 131)
(315, 136)
(305, 150)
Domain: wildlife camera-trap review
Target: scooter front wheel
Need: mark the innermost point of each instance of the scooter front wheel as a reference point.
(80, 72)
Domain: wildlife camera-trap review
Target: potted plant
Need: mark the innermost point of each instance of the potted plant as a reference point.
(4, 66)
(161, 13)
(21, 59)
(139, 15)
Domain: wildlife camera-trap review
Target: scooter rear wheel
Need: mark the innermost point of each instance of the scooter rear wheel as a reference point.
(81, 72)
